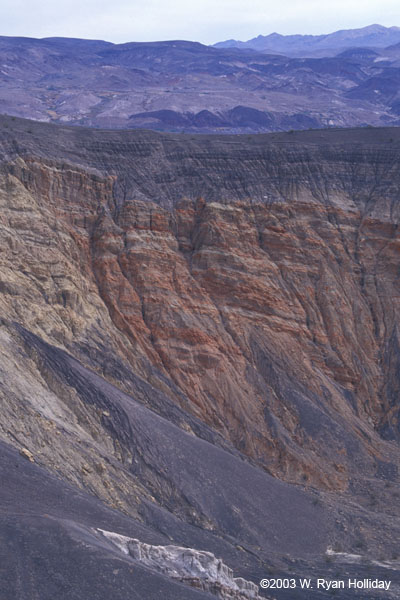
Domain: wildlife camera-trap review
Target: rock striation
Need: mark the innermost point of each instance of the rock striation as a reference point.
(265, 307)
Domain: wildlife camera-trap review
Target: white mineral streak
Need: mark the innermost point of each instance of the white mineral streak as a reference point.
(193, 567)
(345, 557)
(121, 541)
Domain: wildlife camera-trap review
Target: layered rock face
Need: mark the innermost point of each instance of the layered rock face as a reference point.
(244, 290)
(264, 318)
(273, 319)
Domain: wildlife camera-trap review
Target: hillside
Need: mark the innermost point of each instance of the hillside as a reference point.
(200, 349)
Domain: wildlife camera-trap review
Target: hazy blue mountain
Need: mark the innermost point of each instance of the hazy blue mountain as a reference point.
(310, 45)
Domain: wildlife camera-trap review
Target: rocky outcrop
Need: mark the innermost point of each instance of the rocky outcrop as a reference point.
(192, 567)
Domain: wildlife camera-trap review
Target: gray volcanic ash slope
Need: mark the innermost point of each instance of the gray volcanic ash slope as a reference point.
(199, 349)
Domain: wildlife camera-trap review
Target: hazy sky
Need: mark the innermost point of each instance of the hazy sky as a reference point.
(206, 21)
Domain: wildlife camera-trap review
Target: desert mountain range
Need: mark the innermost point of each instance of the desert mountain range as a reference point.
(372, 36)
(183, 86)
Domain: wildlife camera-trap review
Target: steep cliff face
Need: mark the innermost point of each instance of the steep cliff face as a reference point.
(245, 290)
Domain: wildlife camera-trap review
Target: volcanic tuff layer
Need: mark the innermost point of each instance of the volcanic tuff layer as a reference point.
(187, 320)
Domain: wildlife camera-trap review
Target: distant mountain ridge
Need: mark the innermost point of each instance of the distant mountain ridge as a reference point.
(184, 86)
(375, 36)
